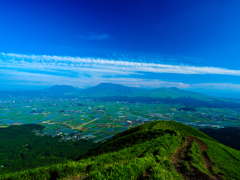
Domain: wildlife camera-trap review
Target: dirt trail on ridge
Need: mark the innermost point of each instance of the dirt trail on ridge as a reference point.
(181, 154)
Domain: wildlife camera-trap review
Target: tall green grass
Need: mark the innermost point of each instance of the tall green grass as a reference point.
(195, 157)
(163, 171)
(226, 160)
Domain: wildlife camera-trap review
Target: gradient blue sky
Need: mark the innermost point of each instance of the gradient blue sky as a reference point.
(192, 45)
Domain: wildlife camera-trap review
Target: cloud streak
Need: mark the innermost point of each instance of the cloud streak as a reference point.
(98, 37)
(48, 70)
(27, 78)
(118, 67)
(45, 79)
(218, 86)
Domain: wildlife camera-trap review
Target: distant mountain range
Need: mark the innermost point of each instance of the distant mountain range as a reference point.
(117, 92)
(109, 89)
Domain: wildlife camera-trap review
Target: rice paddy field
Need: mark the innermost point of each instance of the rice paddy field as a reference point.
(102, 120)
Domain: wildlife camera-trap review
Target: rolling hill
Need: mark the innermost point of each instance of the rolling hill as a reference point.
(109, 89)
(155, 150)
(60, 89)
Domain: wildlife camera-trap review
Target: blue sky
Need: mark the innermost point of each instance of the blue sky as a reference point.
(192, 45)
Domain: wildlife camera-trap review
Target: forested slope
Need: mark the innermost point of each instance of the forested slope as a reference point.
(21, 149)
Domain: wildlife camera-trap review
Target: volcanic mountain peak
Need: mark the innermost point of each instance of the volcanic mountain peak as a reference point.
(61, 89)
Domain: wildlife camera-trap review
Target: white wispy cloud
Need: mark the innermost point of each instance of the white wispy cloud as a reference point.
(78, 63)
(145, 83)
(46, 79)
(218, 86)
(99, 37)
(27, 78)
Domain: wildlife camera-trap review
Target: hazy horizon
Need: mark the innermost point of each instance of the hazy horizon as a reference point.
(210, 93)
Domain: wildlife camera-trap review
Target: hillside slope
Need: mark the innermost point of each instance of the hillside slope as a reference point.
(117, 92)
(155, 150)
(174, 93)
(61, 89)
(109, 89)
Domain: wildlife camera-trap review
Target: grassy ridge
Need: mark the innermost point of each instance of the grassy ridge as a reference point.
(129, 140)
(226, 160)
(181, 128)
(141, 152)
(164, 125)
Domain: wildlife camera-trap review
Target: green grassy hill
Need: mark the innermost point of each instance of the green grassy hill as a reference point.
(155, 150)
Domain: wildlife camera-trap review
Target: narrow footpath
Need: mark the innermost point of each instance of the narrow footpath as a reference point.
(195, 174)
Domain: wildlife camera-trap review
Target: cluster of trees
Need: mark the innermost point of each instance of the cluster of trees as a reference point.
(22, 149)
